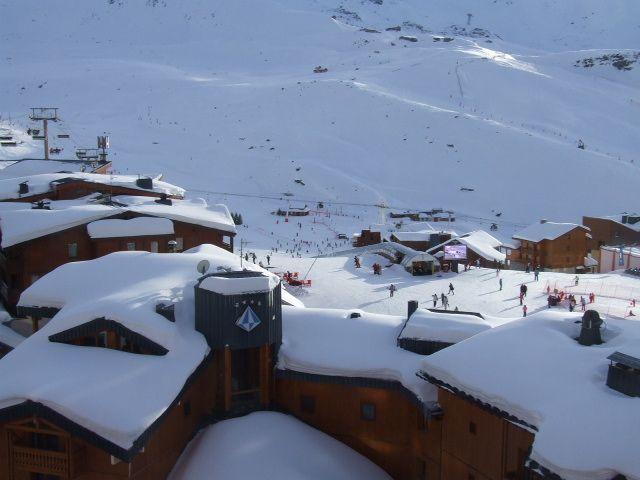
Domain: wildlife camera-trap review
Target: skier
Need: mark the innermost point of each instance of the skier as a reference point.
(576, 280)
(500, 282)
(268, 259)
(356, 261)
(435, 300)
(528, 268)
(583, 303)
(445, 302)
(392, 288)
(521, 297)
(246, 257)
(451, 289)
(442, 297)
(524, 310)
(536, 273)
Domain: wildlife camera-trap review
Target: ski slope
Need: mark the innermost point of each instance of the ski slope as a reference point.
(221, 97)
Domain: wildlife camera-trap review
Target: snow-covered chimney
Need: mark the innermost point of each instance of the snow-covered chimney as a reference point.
(590, 332)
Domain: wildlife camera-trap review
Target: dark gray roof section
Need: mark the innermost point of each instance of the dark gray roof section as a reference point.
(624, 359)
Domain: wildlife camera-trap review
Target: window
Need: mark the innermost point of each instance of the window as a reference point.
(307, 404)
(186, 408)
(472, 428)
(131, 246)
(154, 246)
(368, 411)
(73, 250)
(179, 243)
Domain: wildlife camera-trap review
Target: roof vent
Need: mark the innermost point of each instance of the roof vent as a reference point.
(543, 220)
(164, 200)
(624, 374)
(355, 315)
(590, 332)
(23, 188)
(41, 205)
(145, 182)
(412, 306)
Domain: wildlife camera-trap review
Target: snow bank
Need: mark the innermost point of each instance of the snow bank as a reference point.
(270, 445)
(122, 394)
(546, 231)
(130, 228)
(328, 342)
(42, 183)
(446, 327)
(534, 369)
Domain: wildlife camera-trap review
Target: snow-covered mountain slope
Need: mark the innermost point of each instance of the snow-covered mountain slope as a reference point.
(222, 97)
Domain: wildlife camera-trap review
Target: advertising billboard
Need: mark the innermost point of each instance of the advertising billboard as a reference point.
(455, 252)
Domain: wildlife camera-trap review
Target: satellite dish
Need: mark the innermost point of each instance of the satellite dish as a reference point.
(203, 266)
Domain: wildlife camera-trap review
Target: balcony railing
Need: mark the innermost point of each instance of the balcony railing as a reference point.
(40, 461)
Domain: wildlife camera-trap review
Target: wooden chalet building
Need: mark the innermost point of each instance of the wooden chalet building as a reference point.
(560, 247)
(367, 237)
(69, 186)
(247, 353)
(615, 230)
(37, 239)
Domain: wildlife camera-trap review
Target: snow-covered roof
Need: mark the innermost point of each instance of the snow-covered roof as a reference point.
(9, 337)
(479, 241)
(42, 183)
(33, 166)
(20, 223)
(446, 327)
(122, 393)
(538, 232)
(231, 285)
(417, 257)
(535, 370)
(419, 236)
(619, 217)
(133, 227)
(271, 445)
(195, 211)
(329, 342)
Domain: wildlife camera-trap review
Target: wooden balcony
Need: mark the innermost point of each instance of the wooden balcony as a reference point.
(41, 461)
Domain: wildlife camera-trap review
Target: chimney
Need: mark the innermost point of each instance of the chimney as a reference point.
(590, 332)
(145, 182)
(543, 220)
(411, 308)
(624, 374)
(23, 188)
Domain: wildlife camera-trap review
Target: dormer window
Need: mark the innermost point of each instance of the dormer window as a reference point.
(104, 333)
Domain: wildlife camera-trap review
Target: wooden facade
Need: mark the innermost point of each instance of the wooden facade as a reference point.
(606, 231)
(565, 253)
(383, 424)
(367, 237)
(77, 188)
(418, 245)
(24, 263)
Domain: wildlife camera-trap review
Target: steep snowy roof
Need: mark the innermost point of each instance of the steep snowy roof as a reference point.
(538, 232)
(33, 166)
(535, 370)
(480, 242)
(271, 445)
(618, 219)
(419, 236)
(42, 183)
(195, 211)
(133, 227)
(122, 393)
(328, 342)
(10, 337)
(20, 223)
(446, 327)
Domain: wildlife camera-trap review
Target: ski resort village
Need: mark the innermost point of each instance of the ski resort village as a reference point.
(320, 239)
